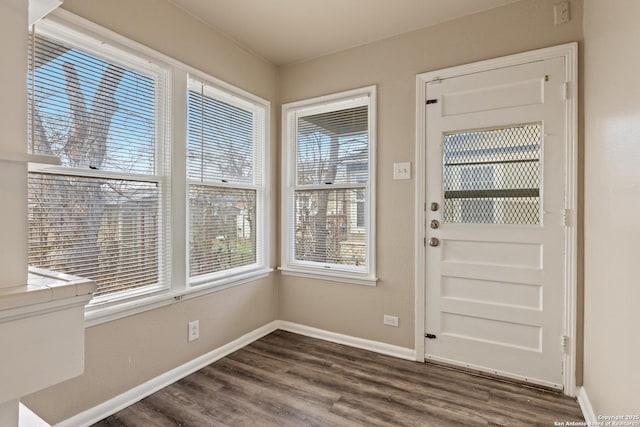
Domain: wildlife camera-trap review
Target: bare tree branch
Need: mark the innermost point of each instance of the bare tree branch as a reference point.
(41, 141)
(51, 52)
(103, 108)
(79, 125)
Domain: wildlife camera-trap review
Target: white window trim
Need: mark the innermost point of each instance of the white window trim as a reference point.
(260, 111)
(82, 38)
(331, 272)
(144, 299)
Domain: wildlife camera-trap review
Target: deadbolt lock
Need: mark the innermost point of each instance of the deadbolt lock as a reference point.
(435, 206)
(434, 224)
(434, 242)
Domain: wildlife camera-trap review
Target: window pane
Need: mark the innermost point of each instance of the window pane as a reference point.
(333, 147)
(105, 230)
(222, 225)
(326, 227)
(220, 141)
(493, 176)
(90, 112)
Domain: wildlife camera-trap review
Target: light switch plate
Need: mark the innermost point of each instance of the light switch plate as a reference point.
(561, 12)
(402, 170)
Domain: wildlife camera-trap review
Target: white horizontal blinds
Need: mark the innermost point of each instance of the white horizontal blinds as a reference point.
(331, 192)
(102, 229)
(103, 213)
(221, 228)
(91, 112)
(221, 139)
(326, 227)
(333, 147)
(224, 138)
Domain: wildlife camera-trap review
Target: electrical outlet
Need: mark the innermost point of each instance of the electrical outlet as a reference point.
(561, 12)
(194, 330)
(390, 320)
(402, 170)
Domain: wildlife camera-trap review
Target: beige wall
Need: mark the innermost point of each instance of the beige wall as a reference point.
(393, 64)
(13, 123)
(165, 28)
(122, 354)
(612, 206)
(127, 352)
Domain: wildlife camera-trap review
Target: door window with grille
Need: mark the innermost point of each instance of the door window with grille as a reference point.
(492, 176)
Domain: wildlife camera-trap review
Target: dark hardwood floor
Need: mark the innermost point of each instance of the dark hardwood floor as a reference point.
(286, 379)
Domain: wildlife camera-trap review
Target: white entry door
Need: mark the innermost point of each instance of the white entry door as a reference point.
(495, 197)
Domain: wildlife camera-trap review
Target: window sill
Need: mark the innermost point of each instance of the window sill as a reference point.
(95, 315)
(333, 276)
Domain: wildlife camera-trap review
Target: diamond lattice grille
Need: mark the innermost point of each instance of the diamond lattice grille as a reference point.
(493, 176)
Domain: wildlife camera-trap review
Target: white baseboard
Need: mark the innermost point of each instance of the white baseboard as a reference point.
(28, 418)
(111, 406)
(375, 346)
(585, 406)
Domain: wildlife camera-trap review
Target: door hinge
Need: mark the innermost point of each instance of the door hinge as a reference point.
(566, 217)
(430, 336)
(432, 101)
(565, 91)
(565, 343)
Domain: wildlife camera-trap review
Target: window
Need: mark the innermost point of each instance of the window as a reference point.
(145, 175)
(492, 176)
(328, 186)
(101, 213)
(225, 161)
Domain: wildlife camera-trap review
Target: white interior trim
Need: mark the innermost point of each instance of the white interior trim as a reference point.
(570, 53)
(128, 398)
(480, 369)
(27, 418)
(38, 9)
(335, 277)
(355, 97)
(73, 27)
(351, 341)
(585, 406)
(117, 403)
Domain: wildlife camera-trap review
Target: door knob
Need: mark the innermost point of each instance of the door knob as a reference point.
(434, 242)
(435, 206)
(434, 224)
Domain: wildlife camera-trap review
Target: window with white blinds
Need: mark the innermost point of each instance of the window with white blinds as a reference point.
(225, 162)
(103, 212)
(328, 207)
(109, 120)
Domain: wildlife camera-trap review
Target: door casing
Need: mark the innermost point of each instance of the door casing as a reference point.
(569, 52)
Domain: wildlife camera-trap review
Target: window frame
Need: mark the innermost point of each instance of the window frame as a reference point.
(80, 38)
(289, 185)
(174, 179)
(259, 180)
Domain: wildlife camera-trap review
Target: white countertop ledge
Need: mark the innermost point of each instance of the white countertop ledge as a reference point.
(45, 286)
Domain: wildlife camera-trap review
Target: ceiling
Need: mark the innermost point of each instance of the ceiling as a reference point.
(289, 31)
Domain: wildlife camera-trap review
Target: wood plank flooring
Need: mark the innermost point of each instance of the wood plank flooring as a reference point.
(286, 379)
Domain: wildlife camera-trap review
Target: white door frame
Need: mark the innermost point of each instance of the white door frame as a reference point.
(570, 53)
